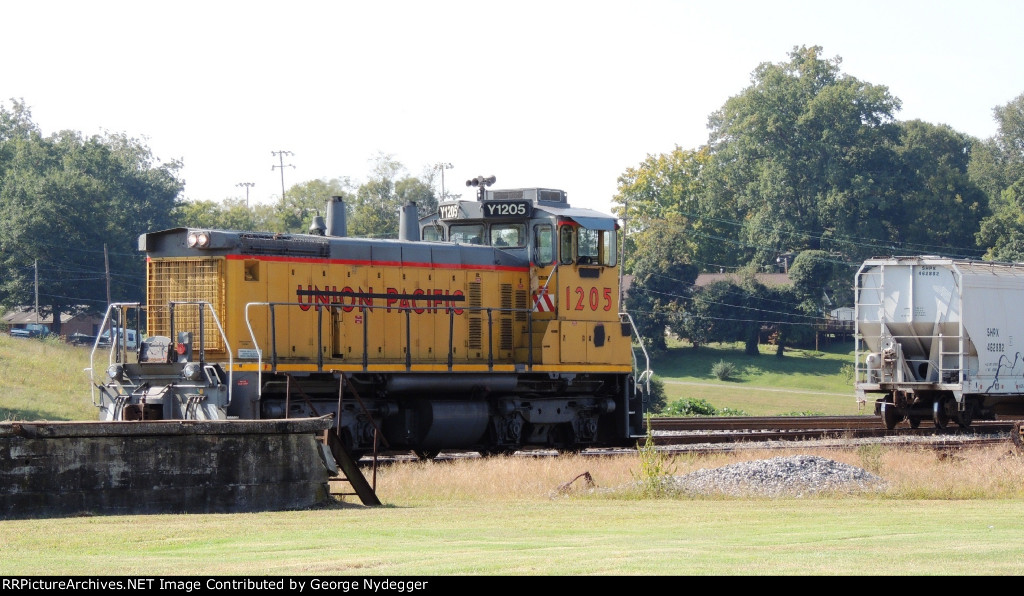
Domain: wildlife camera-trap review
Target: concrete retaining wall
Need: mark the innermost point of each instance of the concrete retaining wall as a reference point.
(50, 469)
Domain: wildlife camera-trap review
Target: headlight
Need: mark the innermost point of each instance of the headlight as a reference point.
(115, 372)
(192, 371)
(198, 239)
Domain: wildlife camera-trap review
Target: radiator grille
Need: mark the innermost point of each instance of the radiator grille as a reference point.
(186, 280)
(505, 341)
(475, 332)
(475, 322)
(522, 303)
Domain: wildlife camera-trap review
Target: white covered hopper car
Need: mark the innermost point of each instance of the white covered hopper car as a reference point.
(940, 339)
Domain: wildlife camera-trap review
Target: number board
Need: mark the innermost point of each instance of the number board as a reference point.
(508, 209)
(449, 211)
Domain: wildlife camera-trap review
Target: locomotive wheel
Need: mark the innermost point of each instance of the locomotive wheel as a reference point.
(890, 417)
(939, 416)
(915, 421)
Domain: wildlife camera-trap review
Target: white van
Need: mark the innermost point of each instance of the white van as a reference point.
(129, 337)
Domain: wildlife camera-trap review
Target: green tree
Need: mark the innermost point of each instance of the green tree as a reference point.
(815, 275)
(999, 167)
(232, 214)
(661, 282)
(414, 190)
(377, 205)
(940, 207)
(308, 199)
(1003, 231)
(66, 200)
(724, 311)
(805, 154)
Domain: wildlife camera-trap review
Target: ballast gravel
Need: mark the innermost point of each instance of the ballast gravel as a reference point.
(792, 476)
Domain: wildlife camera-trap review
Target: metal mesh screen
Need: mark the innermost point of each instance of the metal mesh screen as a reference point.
(186, 280)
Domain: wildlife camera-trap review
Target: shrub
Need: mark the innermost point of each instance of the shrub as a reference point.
(723, 370)
(691, 407)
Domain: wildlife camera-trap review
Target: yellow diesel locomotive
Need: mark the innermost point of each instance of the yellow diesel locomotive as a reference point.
(491, 325)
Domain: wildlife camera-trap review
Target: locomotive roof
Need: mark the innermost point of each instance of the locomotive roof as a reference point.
(545, 201)
(173, 243)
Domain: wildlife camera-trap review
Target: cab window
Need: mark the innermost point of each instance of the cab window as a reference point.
(565, 252)
(433, 234)
(543, 244)
(467, 233)
(595, 247)
(607, 248)
(508, 235)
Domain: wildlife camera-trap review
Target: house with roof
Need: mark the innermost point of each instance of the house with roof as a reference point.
(70, 324)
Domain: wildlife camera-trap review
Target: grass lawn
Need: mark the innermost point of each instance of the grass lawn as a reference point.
(801, 382)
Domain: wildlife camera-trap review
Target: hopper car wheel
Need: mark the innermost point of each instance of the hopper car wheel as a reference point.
(939, 416)
(426, 454)
(890, 417)
(915, 421)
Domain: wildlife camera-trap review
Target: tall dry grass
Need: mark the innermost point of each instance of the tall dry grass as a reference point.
(911, 472)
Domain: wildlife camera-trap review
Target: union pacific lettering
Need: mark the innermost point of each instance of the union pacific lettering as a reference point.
(420, 300)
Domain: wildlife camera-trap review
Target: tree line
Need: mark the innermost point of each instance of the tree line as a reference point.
(810, 164)
(806, 167)
(73, 207)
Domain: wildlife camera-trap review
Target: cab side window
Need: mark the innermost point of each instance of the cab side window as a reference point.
(543, 244)
(565, 251)
(433, 234)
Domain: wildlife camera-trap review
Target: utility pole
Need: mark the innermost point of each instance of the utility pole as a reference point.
(280, 159)
(249, 185)
(36, 267)
(106, 268)
(443, 167)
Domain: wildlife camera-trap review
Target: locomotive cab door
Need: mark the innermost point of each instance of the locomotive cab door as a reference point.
(587, 282)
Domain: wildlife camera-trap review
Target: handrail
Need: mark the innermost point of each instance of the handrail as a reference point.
(645, 375)
(202, 341)
(112, 307)
(122, 346)
(371, 307)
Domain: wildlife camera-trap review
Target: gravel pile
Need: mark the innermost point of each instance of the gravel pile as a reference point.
(793, 476)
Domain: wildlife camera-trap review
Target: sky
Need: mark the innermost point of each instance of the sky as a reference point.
(555, 94)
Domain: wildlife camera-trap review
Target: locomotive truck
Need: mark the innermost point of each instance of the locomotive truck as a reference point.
(491, 325)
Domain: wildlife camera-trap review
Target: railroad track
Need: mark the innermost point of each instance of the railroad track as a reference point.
(670, 431)
(841, 430)
(715, 434)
